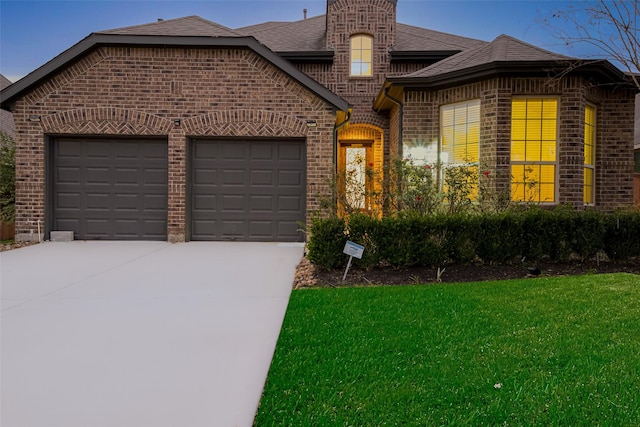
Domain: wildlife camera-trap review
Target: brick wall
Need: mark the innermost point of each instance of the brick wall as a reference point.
(614, 150)
(140, 91)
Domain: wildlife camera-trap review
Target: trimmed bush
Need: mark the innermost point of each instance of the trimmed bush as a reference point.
(413, 239)
(327, 242)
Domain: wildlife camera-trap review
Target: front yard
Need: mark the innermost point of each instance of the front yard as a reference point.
(547, 351)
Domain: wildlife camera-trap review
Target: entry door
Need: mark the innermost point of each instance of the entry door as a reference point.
(355, 160)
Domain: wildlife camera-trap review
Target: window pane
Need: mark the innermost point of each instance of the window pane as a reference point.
(533, 152)
(533, 141)
(588, 186)
(549, 130)
(361, 55)
(518, 129)
(517, 151)
(589, 154)
(534, 109)
(518, 109)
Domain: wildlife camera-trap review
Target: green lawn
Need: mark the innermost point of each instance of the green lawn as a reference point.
(549, 351)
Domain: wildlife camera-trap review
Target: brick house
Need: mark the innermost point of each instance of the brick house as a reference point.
(187, 130)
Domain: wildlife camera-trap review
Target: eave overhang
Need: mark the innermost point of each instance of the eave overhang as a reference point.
(601, 72)
(93, 41)
(417, 56)
(310, 57)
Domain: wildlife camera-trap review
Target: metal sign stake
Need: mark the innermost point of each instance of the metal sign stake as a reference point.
(348, 267)
(353, 250)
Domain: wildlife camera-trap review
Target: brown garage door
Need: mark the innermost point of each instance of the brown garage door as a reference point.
(249, 190)
(110, 189)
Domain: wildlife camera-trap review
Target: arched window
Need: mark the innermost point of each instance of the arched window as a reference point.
(361, 55)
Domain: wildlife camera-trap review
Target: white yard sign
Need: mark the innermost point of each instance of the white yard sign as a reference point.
(353, 250)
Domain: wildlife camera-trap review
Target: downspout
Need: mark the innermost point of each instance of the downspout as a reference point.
(400, 125)
(401, 112)
(337, 127)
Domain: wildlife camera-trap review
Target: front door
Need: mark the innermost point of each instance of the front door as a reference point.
(355, 162)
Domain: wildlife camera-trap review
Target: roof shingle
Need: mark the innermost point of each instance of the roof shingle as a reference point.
(503, 49)
(307, 35)
(187, 26)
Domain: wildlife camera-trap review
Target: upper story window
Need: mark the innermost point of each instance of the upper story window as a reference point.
(361, 55)
(589, 154)
(534, 149)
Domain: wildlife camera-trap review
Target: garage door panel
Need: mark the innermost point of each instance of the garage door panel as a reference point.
(289, 229)
(261, 152)
(289, 204)
(93, 175)
(68, 201)
(95, 150)
(290, 177)
(291, 153)
(236, 194)
(204, 202)
(154, 176)
(154, 203)
(233, 151)
(261, 178)
(233, 177)
(98, 202)
(232, 203)
(110, 189)
(261, 229)
(68, 175)
(261, 204)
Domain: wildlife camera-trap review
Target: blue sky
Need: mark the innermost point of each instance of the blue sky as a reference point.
(34, 32)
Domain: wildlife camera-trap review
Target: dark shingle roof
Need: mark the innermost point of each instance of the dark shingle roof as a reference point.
(502, 49)
(309, 35)
(187, 26)
(306, 35)
(410, 38)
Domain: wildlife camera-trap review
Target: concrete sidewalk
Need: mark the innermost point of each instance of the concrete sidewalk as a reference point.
(140, 334)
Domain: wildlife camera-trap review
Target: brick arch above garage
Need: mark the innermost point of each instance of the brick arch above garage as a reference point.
(245, 122)
(105, 121)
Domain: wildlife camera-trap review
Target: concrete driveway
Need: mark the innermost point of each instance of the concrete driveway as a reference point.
(140, 334)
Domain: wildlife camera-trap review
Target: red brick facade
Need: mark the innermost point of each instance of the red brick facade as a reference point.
(232, 91)
(614, 140)
(140, 91)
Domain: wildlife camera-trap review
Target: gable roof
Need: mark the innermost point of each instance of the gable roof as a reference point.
(187, 26)
(175, 32)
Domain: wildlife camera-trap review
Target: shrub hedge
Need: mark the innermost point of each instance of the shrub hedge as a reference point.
(434, 240)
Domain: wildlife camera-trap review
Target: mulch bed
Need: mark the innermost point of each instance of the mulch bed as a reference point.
(307, 275)
(15, 245)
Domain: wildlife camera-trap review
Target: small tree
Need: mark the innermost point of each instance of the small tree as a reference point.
(609, 25)
(7, 178)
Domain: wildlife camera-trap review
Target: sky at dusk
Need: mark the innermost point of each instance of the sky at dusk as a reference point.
(34, 32)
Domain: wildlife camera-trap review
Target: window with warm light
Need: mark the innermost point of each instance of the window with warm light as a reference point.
(534, 149)
(361, 55)
(460, 137)
(589, 154)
